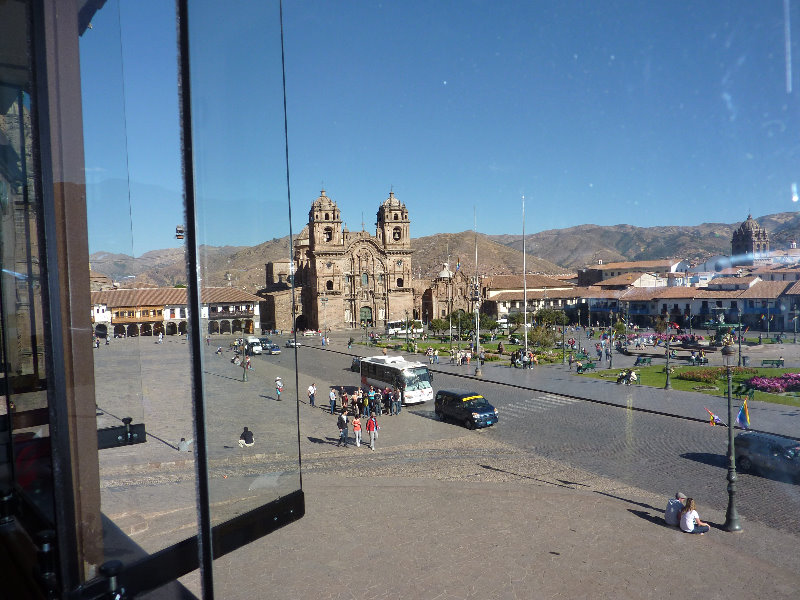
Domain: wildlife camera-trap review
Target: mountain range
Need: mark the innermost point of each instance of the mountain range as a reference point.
(551, 252)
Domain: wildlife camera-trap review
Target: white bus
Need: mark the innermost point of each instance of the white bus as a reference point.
(413, 378)
(399, 328)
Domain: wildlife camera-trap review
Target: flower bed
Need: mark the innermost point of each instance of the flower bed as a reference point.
(710, 375)
(788, 382)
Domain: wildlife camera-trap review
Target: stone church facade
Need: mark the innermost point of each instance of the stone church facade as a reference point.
(347, 279)
(750, 244)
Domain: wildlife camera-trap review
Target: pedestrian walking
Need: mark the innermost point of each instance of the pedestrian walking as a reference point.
(312, 393)
(436, 356)
(357, 430)
(341, 423)
(278, 385)
(372, 429)
(332, 397)
(570, 360)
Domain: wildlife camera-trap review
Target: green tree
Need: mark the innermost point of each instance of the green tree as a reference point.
(487, 323)
(515, 322)
(550, 316)
(438, 325)
(660, 325)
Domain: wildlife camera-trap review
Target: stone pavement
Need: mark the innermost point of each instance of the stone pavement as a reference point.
(458, 516)
(385, 538)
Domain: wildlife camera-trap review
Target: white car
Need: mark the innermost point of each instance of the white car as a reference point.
(309, 332)
(291, 343)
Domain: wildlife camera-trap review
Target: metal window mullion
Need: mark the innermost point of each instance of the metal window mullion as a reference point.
(205, 541)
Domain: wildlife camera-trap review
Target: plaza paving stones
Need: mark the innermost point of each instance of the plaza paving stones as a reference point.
(435, 512)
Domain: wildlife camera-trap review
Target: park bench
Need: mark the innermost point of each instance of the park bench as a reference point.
(586, 367)
(774, 362)
(642, 360)
(698, 360)
(582, 356)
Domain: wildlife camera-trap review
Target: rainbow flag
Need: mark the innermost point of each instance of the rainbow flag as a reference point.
(743, 418)
(458, 264)
(715, 420)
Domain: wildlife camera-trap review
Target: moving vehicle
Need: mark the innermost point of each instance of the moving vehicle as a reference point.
(413, 379)
(265, 341)
(292, 343)
(254, 347)
(399, 328)
(469, 408)
(272, 349)
(768, 454)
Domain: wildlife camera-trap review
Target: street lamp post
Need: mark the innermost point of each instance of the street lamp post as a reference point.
(731, 515)
(794, 320)
(739, 312)
(668, 384)
(407, 327)
(563, 345)
(611, 342)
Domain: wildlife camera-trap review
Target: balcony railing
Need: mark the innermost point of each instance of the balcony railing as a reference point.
(236, 314)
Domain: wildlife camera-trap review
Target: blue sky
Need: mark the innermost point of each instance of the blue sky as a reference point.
(649, 114)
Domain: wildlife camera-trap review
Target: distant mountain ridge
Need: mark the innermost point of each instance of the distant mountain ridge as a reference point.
(549, 252)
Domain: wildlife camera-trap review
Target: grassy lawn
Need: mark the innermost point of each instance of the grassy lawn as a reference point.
(655, 377)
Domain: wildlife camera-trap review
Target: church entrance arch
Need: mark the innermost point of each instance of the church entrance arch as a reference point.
(365, 316)
(301, 324)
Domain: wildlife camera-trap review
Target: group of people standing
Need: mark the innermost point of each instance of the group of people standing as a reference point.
(359, 402)
(371, 426)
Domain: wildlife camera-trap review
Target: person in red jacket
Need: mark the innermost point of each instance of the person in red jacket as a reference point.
(372, 428)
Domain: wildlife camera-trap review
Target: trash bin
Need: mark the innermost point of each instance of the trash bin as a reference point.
(745, 361)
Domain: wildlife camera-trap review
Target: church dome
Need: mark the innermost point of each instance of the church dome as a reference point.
(392, 201)
(445, 273)
(323, 202)
(749, 225)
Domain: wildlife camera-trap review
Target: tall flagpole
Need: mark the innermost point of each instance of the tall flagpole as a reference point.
(524, 281)
(450, 298)
(476, 300)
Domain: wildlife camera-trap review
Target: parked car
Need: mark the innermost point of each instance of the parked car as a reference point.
(272, 349)
(309, 332)
(768, 454)
(265, 341)
(469, 408)
(355, 364)
(292, 343)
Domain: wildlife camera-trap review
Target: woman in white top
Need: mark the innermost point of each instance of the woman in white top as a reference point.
(690, 520)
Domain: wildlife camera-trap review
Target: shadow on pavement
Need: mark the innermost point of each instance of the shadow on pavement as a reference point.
(655, 520)
(715, 460)
(520, 475)
(427, 414)
(642, 504)
(315, 440)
